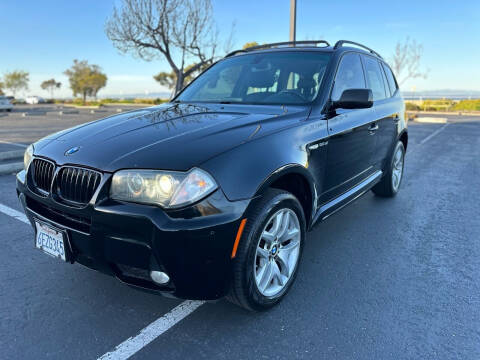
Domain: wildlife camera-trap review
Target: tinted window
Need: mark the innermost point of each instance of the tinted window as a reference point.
(385, 83)
(373, 73)
(349, 75)
(262, 78)
(392, 84)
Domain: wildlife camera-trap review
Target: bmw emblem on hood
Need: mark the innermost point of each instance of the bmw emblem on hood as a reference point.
(72, 150)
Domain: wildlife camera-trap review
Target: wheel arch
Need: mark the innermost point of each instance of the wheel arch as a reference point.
(404, 138)
(295, 179)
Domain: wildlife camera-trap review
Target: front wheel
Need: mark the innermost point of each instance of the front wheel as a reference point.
(390, 183)
(269, 251)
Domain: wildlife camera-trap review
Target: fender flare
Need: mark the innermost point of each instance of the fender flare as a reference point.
(288, 169)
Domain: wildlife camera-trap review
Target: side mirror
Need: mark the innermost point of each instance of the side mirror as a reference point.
(354, 99)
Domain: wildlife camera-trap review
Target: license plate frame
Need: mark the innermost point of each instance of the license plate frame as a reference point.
(54, 241)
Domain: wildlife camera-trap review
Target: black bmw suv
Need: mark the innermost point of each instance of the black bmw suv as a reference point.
(211, 194)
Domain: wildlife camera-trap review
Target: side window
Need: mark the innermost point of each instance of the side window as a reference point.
(373, 73)
(349, 75)
(385, 83)
(392, 84)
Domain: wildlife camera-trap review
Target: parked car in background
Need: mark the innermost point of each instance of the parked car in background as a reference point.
(5, 103)
(34, 100)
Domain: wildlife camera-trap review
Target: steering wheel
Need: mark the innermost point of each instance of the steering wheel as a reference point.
(292, 92)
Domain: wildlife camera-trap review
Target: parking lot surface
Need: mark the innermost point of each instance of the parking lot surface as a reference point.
(28, 123)
(381, 279)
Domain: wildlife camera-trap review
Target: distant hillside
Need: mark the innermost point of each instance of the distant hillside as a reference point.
(442, 93)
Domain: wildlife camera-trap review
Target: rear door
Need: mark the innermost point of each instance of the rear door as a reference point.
(384, 108)
(351, 141)
(392, 110)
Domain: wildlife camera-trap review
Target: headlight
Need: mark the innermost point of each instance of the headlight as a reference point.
(168, 189)
(27, 157)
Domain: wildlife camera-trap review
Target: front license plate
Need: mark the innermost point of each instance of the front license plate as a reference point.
(50, 240)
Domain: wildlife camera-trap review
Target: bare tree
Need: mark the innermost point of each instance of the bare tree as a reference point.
(405, 61)
(179, 31)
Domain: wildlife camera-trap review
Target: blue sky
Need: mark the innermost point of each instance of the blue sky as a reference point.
(43, 37)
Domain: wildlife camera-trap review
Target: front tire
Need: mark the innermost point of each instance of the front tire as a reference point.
(269, 251)
(390, 183)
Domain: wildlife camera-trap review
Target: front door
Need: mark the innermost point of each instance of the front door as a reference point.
(351, 141)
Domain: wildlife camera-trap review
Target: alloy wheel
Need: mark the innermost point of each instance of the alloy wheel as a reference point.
(397, 170)
(277, 252)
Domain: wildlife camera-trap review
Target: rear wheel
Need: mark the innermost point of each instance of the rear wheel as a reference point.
(269, 251)
(390, 183)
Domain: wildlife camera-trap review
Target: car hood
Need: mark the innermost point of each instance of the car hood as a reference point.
(168, 137)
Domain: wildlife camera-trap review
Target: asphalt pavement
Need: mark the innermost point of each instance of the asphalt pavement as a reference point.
(28, 123)
(381, 279)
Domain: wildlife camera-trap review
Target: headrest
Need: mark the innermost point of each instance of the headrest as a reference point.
(262, 76)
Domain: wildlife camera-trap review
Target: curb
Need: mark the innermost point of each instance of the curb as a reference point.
(11, 168)
(36, 113)
(431, 120)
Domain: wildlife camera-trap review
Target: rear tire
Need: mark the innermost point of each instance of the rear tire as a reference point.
(390, 183)
(269, 251)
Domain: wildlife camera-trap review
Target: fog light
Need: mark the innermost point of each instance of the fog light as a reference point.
(159, 277)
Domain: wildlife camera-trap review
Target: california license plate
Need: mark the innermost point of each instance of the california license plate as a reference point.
(50, 240)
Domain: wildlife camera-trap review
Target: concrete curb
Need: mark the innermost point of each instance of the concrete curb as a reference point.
(36, 113)
(455, 113)
(12, 154)
(431, 120)
(11, 168)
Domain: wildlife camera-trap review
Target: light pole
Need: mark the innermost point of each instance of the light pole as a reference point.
(293, 20)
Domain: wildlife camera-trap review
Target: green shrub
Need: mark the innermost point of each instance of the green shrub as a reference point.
(150, 101)
(467, 105)
(412, 107)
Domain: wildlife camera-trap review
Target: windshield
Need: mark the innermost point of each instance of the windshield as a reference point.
(285, 78)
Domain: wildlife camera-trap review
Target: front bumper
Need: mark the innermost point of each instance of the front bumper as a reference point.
(192, 245)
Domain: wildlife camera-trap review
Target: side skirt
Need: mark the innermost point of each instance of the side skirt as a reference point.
(346, 198)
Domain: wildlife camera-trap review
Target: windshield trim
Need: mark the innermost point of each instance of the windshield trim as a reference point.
(238, 103)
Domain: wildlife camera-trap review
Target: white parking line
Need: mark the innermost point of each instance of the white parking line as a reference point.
(14, 144)
(14, 213)
(152, 331)
(435, 133)
(146, 335)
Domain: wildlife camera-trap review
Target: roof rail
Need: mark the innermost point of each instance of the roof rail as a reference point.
(285, 43)
(340, 43)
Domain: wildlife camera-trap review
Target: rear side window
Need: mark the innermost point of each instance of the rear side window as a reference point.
(374, 76)
(392, 84)
(349, 75)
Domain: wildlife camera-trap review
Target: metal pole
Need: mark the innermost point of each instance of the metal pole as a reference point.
(293, 20)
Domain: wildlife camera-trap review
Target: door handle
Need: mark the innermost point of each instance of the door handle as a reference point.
(373, 128)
